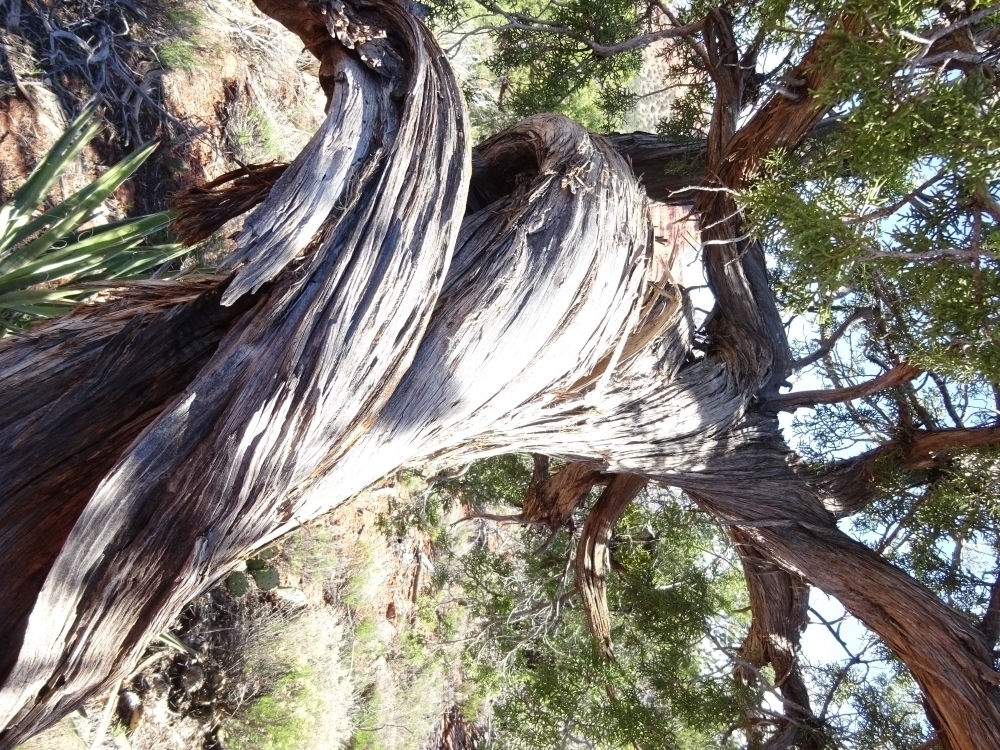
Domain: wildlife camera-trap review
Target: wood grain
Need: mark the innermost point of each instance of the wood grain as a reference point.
(380, 314)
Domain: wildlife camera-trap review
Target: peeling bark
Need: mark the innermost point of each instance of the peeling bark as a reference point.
(551, 500)
(991, 620)
(779, 604)
(366, 326)
(592, 554)
(204, 209)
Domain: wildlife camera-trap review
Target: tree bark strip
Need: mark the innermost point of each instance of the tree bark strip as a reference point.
(278, 395)
(370, 346)
(552, 500)
(779, 604)
(592, 554)
(75, 395)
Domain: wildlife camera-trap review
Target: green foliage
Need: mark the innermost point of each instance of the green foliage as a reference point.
(280, 719)
(177, 55)
(900, 202)
(252, 134)
(491, 483)
(261, 569)
(888, 717)
(885, 711)
(358, 584)
(268, 553)
(488, 484)
(48, 254)
(309, 556)
(556, 71)
(265, 578)
(184, 21)
(290, 688)
(688, 115)
(943, 532)
(535, 659)
(657, 692)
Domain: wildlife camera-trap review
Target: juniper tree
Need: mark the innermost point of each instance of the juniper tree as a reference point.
(394, 301)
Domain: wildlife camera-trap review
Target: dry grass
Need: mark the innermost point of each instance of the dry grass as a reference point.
(302, 678)
(63, 736)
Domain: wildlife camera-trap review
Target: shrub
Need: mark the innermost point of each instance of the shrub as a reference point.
(50, 258)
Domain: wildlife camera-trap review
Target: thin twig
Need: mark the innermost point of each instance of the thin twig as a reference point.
(826, 344)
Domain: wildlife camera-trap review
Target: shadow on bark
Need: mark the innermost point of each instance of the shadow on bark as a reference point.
(366, 325)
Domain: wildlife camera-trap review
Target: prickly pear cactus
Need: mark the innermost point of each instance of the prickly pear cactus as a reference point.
(265, 578)
(237, 583)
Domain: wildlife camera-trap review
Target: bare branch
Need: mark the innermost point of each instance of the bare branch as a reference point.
(901, 525)
(499, 517)
(941, 33)
(696, 46)
(948, 253)
(592, 552)
(849, 483)
(946, 398)
(882, 213)
(792, 401)
(827, 343)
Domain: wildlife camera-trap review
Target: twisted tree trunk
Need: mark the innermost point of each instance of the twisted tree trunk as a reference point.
(369, 325)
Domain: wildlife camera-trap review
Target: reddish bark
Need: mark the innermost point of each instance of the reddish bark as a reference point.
(896, 376)
(382, 334)
(551, 500)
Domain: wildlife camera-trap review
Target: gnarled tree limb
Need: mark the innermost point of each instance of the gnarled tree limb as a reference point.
(896, 376)
(850, 484)
(592, 552)
(384, 334)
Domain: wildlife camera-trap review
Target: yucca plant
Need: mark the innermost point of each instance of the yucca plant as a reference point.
(48, 264)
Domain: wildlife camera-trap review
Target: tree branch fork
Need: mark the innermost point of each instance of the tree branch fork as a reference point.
(346, 353)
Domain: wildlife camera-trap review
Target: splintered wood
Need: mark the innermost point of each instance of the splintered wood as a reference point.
(381, 313)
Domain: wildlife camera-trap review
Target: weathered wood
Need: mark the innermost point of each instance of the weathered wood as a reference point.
(779, 605)
(898, 375)
(75, 395)
(592, 554)
(204, 209)
(386, 334)
(552, 500)
(288, 384)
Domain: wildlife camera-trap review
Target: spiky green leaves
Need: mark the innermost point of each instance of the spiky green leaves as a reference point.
(46, 255)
